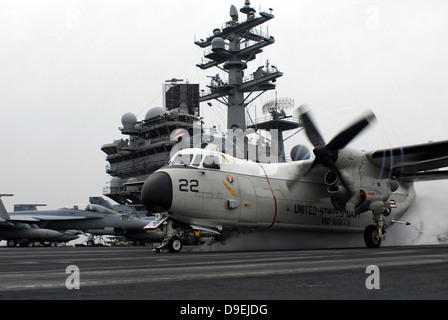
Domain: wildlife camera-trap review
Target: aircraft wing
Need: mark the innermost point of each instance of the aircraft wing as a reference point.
(38, 218)
(414, 163)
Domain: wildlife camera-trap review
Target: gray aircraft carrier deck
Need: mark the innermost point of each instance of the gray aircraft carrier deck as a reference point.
(413, 272)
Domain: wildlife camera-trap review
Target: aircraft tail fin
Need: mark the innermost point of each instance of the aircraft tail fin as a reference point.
(3, 213)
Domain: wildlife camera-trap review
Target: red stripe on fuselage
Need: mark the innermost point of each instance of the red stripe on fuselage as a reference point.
(273, 195)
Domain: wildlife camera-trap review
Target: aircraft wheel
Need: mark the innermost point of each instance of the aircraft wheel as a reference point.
(175, 245)
(371, 237)
(11, 243)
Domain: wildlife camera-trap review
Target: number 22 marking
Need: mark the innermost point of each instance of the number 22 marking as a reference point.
(183, 185)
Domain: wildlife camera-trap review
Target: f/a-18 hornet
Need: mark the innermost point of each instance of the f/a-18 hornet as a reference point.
(61, 225)
(339, 189)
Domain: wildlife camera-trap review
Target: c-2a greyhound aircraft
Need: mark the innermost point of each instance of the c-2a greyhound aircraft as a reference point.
(339, 189)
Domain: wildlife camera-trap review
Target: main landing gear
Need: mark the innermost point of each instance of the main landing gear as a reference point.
(374, 234)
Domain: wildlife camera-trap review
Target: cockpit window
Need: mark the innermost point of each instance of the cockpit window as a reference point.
(91, 207)
(208, 161)
(187, 159)
(197, 160)
(211, 162)
(182, 159)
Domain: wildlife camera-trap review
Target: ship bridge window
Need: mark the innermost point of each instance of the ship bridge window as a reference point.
(211, 162)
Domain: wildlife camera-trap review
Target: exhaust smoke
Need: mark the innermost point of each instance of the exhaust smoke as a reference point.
(285, 240)
(428, 217)
(429, 225)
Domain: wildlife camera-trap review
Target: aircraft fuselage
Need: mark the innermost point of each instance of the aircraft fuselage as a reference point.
(247, 195)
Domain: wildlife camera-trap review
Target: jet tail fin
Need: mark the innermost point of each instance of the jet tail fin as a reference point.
(3, 213)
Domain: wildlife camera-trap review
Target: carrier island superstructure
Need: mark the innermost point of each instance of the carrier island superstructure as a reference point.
(149, 141)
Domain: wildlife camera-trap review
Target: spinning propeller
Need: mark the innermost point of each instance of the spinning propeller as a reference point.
(327, 154)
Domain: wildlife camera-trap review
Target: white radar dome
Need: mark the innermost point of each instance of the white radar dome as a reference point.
(218, 44)
(115, 182)
(154, 112)
(129, 119)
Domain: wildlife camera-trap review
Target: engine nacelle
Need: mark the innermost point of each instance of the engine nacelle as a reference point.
(339, 194)
(370, 200)
(331, 178)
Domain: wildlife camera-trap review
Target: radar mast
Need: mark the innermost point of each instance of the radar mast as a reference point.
(232, 47)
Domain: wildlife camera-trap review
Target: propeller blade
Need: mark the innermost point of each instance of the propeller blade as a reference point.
(327, 154)
(311, 130)
(344, 138)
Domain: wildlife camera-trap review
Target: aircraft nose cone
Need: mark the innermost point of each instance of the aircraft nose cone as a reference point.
(157, 192)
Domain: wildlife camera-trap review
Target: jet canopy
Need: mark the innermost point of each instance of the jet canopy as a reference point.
(90, 207)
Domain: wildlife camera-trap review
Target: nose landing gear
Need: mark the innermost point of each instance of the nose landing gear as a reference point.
(173, 245)
(172, 241)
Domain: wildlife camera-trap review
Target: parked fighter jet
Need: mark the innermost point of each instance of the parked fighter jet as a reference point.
(60, 225)
(339, 189)
(23, 232)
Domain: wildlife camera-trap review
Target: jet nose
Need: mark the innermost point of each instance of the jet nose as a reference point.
(157, 192)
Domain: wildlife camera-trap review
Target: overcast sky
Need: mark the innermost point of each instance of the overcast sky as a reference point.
(70, 69)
